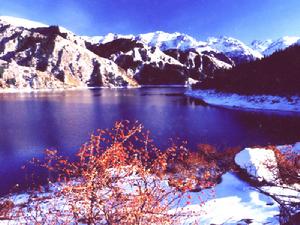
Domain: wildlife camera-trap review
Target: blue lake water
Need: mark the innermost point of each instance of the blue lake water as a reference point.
(32, 122)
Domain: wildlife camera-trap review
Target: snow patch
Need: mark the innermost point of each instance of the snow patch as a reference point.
(235, 201)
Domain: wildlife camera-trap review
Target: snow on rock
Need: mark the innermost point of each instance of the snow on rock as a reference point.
(254, 102)
(259, 163)
(154, 56)
(285, 193)
(149, 65)
(262, 164)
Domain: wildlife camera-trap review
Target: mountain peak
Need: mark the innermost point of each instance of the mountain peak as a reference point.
(268, 47)
(20, 22)
(27, 24)
(233, 47)
(164, 40)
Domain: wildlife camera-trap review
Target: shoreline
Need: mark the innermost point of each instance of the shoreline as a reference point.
(30, 90)
(270, 103)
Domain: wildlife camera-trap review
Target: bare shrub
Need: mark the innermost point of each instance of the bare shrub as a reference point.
(120, 177)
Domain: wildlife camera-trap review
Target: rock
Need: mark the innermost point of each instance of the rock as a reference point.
(259, 163)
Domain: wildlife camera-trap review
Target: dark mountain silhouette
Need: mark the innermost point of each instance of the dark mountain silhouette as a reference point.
(278, 74)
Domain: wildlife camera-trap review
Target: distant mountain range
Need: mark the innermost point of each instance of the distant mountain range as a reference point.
(164, 41)
(268, 47)
(37, 56)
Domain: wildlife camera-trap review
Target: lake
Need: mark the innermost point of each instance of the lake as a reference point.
(64, 120)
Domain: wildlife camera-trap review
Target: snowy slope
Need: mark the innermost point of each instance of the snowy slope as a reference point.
(281, 44)
(28, 24)
(166, 41)
(233, 48)
(229, 46)
(163, 40)
(158, 39)
(107, 38)
(20, 22)
(261, 46)
(268, 47)
(235, 203)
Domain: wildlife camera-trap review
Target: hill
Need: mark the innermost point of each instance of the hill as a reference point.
(277, 74)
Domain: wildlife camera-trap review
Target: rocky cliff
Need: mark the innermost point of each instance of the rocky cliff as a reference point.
(60, 56)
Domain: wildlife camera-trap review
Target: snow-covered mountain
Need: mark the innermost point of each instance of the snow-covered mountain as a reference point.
(268, 47)
(231, 47)
(261, 46)
(234, 49)
(28, 24)
(151, 65)
(47, 57)
(166, 41)
(157, 39)
(34, 54)
(20, 22)
(106, 38)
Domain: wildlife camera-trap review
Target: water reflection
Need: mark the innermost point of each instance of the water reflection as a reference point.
(32, 122)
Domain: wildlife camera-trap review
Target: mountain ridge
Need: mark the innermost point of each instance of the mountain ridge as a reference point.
(165, 40)
(68, 60)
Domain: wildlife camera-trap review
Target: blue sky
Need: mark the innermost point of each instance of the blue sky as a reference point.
(242, 19)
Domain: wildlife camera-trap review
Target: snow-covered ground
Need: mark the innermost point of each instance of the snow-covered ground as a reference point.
(256, 102)
(232, 201)
(235, 202)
